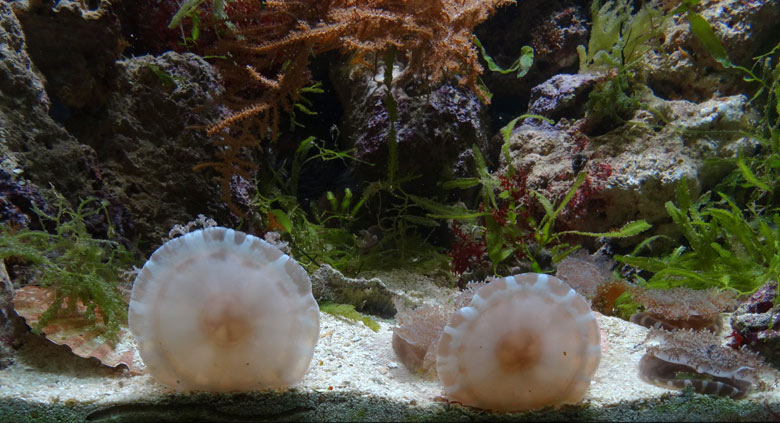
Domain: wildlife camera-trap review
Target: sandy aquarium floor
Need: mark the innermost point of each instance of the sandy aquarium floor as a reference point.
(349, 359)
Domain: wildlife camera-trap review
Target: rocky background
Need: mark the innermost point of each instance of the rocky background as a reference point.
(86, 112)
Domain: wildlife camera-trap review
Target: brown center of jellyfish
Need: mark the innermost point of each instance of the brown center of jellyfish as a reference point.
(225, 322)
(518, 350)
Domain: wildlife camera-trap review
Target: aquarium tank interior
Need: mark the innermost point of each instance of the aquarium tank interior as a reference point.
(389, 210)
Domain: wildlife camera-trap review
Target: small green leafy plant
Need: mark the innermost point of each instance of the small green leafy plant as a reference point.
(724, 248)
(337, 235)
(505, 217)
(761, 172)
(520, 67)
(316, 237)
(619, 37)
(619, 40)
(191, 9)
(384, 205)
(77, 266)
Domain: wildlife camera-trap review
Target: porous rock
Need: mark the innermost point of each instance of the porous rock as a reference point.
(755, 324)
(683, 68)
(442, 123)
(646, 159)
(34, 147)
(562, 95)
(370, 296)
(147, 141)
(74, 47)
(10, 325)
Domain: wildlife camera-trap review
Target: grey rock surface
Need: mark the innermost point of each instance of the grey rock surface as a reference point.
(562, 95)
(684, 69)
(635, 168)
(137, 150)
(149, 136)
(366, 295)
(755, 324)
(438, 123)
(74, 47)
(32, 145)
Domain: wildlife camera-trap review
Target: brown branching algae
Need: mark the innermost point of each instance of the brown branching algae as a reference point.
(220, 310)
(525, 341)
(683, 358)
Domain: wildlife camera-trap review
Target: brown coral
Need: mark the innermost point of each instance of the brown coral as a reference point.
(682, 308)
(270, 46)
(585, 272)
(683, 358)
(416, 337)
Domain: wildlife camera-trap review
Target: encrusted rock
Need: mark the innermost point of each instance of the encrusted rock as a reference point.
(136, 151)
(8, 320)
(562, 95)
(441, 124)
(756, 324)
(147, 146)
(367, 295)
(683, 68)
(75, 48)
(38, 152)
(552, 29)
(635, 169)
(18, 199)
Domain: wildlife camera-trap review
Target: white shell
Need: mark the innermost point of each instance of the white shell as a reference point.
(525, 341)
(220, 310)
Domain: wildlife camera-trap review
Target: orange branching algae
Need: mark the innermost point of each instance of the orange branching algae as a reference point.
(266, 52)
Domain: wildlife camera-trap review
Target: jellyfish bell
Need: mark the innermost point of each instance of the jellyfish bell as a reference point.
(220, 310)
(524, 342)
